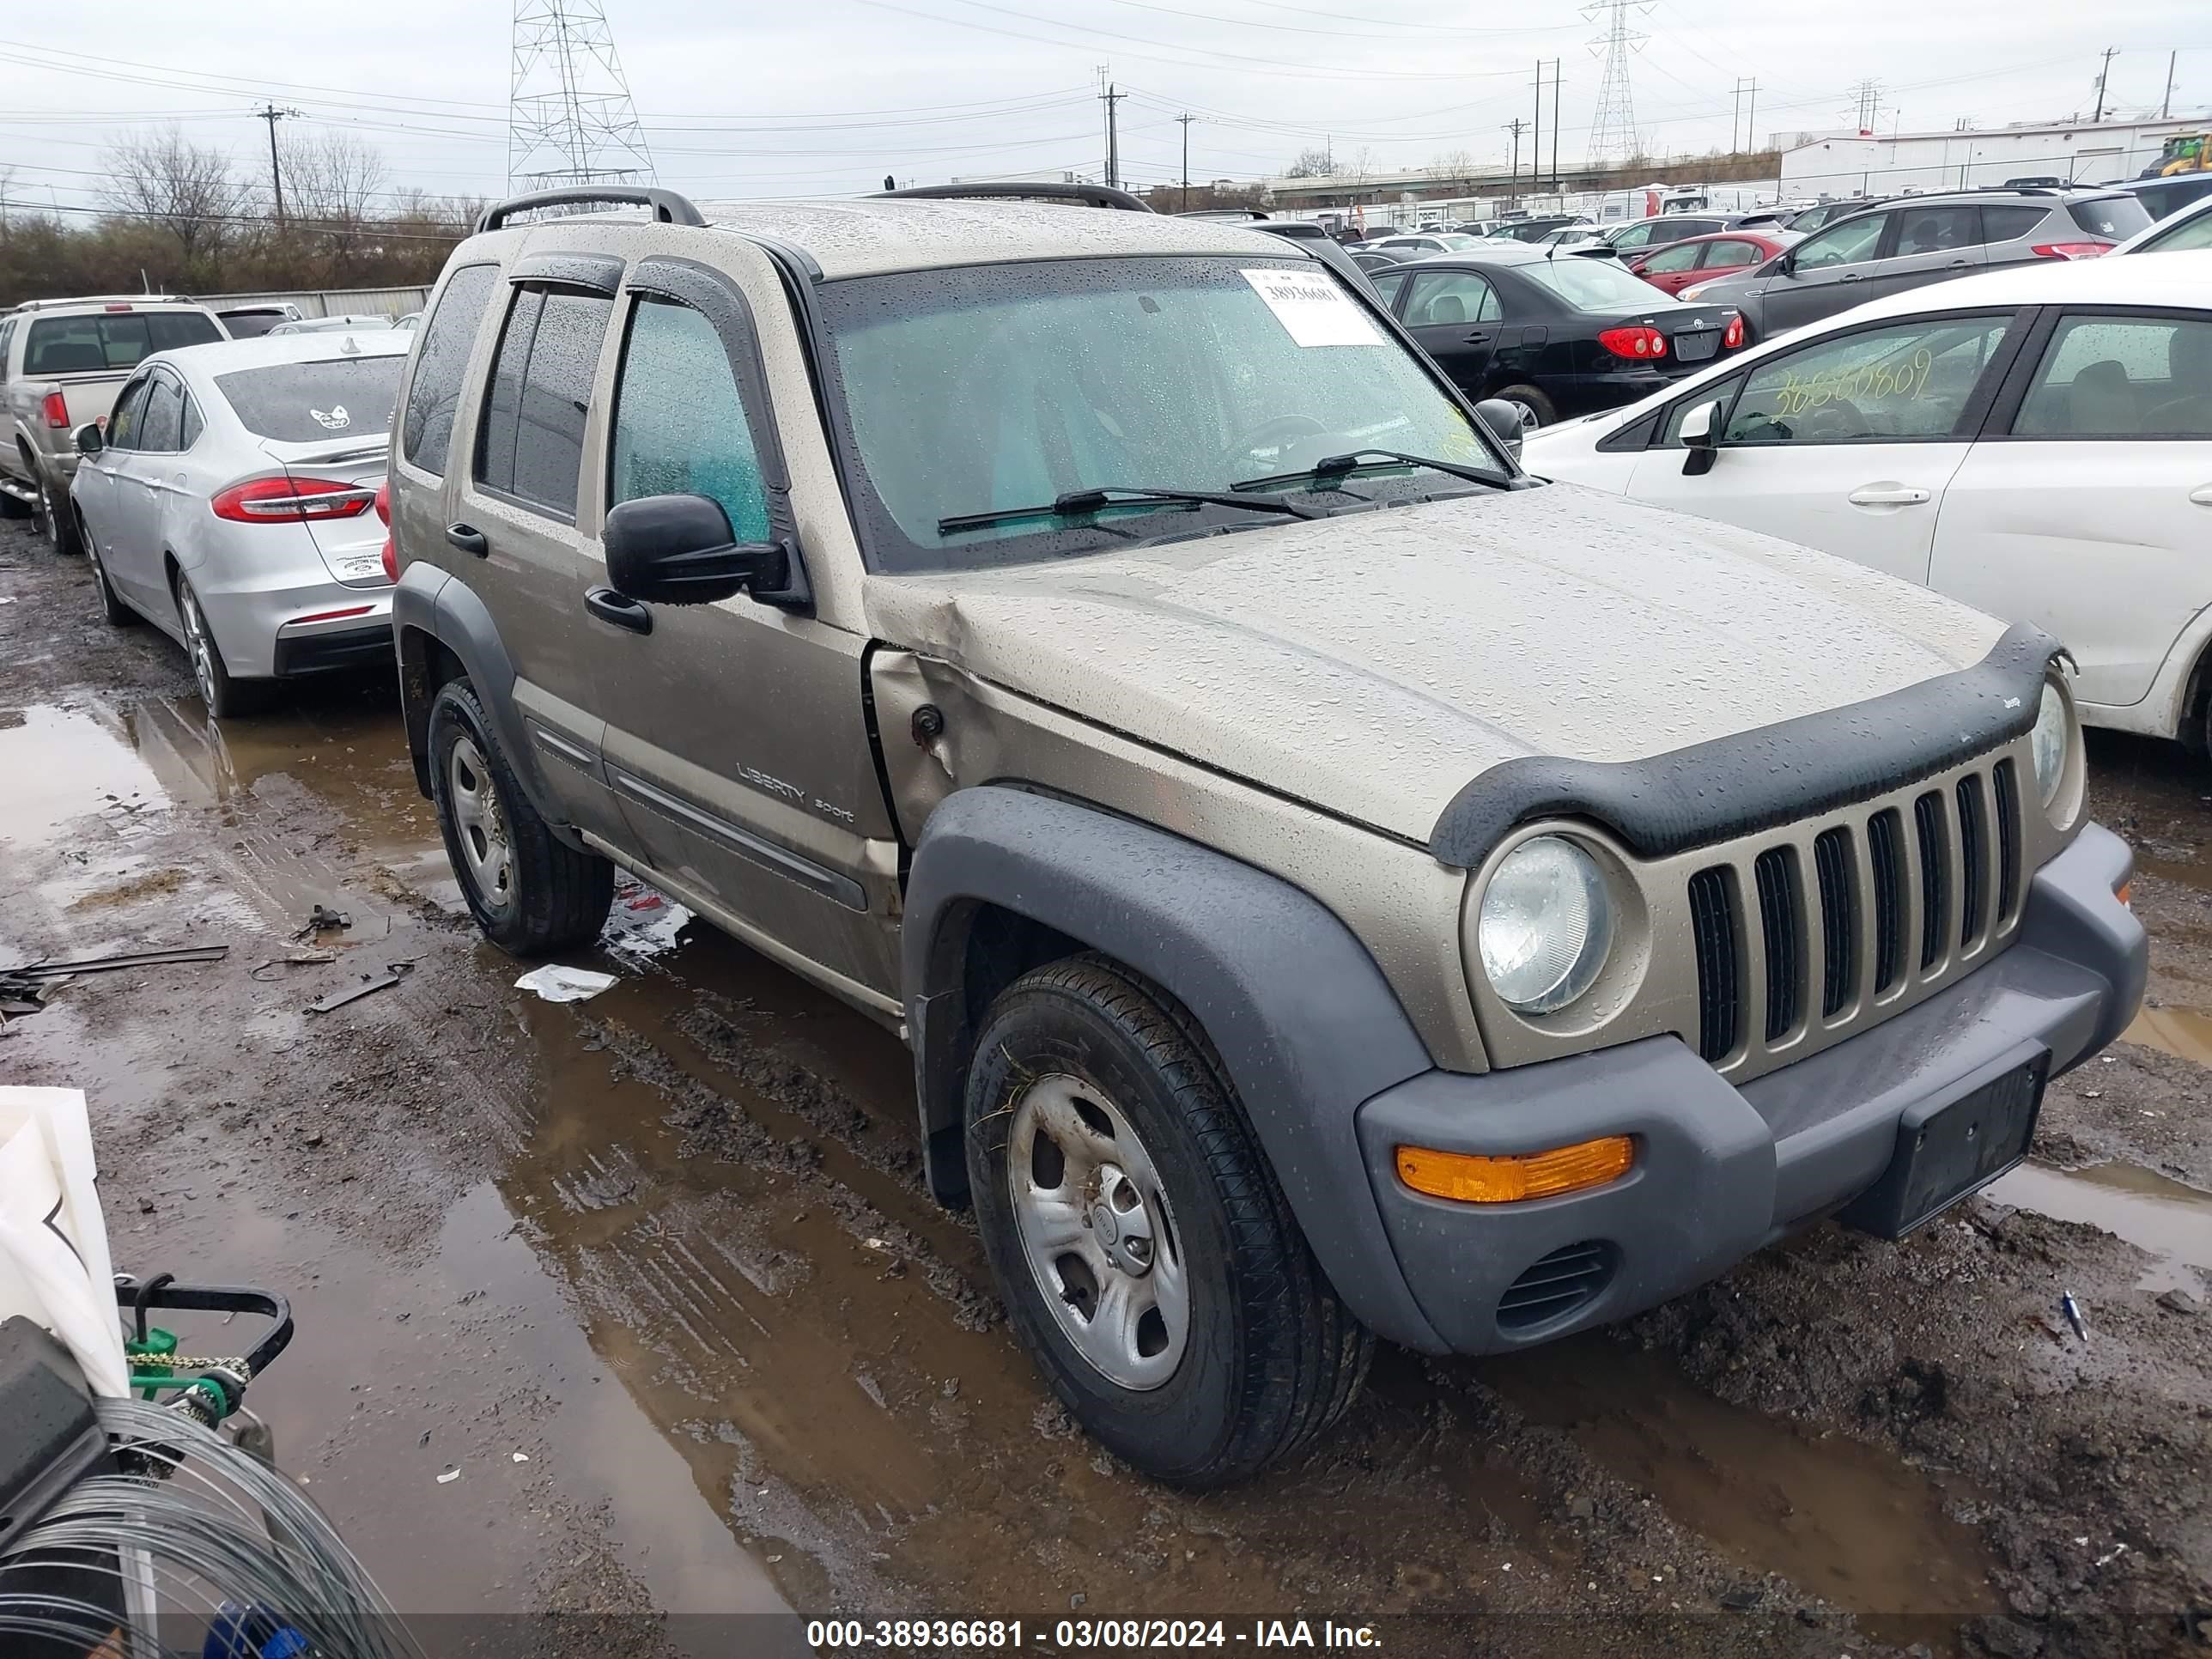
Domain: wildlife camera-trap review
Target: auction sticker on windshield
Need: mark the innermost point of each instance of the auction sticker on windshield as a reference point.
(1312, 309)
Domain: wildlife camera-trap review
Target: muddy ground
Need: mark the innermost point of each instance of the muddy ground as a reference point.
(655, 1273)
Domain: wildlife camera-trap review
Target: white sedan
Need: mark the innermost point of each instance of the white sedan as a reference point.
(2036, 442)
(232, 501)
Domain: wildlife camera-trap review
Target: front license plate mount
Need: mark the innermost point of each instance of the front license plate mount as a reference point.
(1955, 1143)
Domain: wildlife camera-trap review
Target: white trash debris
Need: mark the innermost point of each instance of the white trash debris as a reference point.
(558, 984)
(449, 1475)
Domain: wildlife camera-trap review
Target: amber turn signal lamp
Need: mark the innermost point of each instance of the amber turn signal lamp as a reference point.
(2121, 892)
(1473, 1180)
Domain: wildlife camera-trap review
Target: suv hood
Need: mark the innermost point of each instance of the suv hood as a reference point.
(1371, 664)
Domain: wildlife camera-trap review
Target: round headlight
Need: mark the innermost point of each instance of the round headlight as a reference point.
(2048, 742)
(1545, 924)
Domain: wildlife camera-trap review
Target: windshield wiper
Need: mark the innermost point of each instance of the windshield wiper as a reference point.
(1365, 460)
(1076, 502)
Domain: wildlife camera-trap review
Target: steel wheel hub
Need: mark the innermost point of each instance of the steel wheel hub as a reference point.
(482, 824)
(1094, 1228)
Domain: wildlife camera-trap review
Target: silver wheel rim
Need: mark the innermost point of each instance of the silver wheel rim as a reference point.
(99, 577)
(1098, 1233)
(1530, 421)
(198, 647)
(482, 824)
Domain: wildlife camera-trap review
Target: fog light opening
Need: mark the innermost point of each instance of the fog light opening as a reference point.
(1467, 1178)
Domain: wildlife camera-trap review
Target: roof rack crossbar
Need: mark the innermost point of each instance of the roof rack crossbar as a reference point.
(1099, 196)
(668, 207)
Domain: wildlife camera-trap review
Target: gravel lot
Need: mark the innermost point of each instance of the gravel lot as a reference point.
(656, 1274)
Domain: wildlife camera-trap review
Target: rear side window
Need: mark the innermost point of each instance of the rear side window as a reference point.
(1936, 230)
(91, 344)
(164, 418)
(2002, 224)
(2122, 377)
(2115, 218)
(304, 402)
(441, 359)
(532, 439)
(679, 425)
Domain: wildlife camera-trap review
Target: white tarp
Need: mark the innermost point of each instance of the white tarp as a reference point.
(54, 1262)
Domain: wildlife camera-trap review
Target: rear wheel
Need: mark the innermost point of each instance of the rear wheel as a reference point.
(529, 891)
(226, 698)
(1536, 410)
(1147, 1259)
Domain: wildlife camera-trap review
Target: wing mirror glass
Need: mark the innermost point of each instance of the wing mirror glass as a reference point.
(1504, 420)
(90, 440)
(679, 549)
(1701, 434)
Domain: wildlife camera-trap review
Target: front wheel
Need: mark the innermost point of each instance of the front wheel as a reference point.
(1536, 410)
(1148, 1260)
(531, 892)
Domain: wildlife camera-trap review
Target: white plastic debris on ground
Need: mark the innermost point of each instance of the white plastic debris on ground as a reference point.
(558, 984)
(54, 1263)
(643, 923)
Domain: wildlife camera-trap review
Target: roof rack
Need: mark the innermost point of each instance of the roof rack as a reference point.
(668, 207)
(1097, 195)
(106, 298)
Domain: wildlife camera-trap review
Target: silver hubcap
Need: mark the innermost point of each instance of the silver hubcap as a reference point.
(197, 643)
(1096, 1231)
(483, 826)
(1528, 421)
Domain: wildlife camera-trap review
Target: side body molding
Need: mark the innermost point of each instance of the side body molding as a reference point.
(1304, 1023)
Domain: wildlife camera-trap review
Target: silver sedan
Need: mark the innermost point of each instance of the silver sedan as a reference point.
(234, 499)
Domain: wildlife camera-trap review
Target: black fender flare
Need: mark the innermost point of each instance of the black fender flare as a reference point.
(1304, 1021)
(432, 603)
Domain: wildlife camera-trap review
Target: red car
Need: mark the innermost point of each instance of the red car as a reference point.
(1700, 259)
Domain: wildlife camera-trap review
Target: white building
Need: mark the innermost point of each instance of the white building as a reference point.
(2074, 152)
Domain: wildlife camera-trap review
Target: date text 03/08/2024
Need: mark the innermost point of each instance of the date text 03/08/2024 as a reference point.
(984, 1635)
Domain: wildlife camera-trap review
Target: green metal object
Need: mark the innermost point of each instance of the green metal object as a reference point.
(149, 1373)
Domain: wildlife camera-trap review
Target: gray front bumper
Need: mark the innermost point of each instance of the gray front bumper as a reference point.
(1719, 1170)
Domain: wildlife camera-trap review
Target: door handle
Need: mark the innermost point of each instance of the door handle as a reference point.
(2202, 495)
(1852, 276)
(1480, 337)
(1960, 264)
(1889, 495)
(619, 609)
(468, 538)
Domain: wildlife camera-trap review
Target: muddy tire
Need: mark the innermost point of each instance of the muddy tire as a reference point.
(57, 521)
(1148, 1260)
(112, 610)
(531, 892)
(227, 698)
(1536, 410)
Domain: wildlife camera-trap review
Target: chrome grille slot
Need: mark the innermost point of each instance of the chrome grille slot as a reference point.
(1934, 878)
(1885, 850)
(1831, 870)
(1782, 926)
(1712, 926)
(2006, 785)
(1974, 864)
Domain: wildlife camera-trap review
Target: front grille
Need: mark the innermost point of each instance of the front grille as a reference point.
(1712, 932)
(1780, 924)
(1556, 1285)
(1846, 908)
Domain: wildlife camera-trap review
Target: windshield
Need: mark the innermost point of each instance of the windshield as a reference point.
(339, 398)
(91, 344)
(980, 389)
(1594, 284)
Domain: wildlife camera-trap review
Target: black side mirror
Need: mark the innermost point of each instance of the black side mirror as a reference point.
(1786, 266)
(90, 439)
(1700, 440)
(1504, 420)
(678, 549)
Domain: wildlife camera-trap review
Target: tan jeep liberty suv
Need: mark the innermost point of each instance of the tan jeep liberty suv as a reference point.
(1333, 886)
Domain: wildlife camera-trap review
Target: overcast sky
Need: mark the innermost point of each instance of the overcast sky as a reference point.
(826, 96)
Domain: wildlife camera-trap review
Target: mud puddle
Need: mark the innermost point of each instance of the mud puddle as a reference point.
(1838, 1517)
(2183, 1032)
(2172, 1221)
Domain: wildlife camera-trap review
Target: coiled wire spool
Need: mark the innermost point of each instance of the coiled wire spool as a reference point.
(192, 1545)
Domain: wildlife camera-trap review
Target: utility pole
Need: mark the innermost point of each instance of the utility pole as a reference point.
(1555, 124)
(1751, 119)
(2167, 108)
(1113, 135)
(1514, 127)
(1536, 144)
(270, 113)
(1186, 119)
(2104, 70)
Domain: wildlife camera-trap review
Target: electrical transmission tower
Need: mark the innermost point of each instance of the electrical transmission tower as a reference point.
(570, 120)
(1613, 131)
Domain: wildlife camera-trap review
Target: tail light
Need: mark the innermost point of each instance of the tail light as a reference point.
(1637, 340)
(1734, 336)
(55, 411)
(291, 500)
(2072, 250)
(384, 513)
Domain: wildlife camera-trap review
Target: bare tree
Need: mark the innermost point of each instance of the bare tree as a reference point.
(1454, 163)
(1309, 164)
(162, 180)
